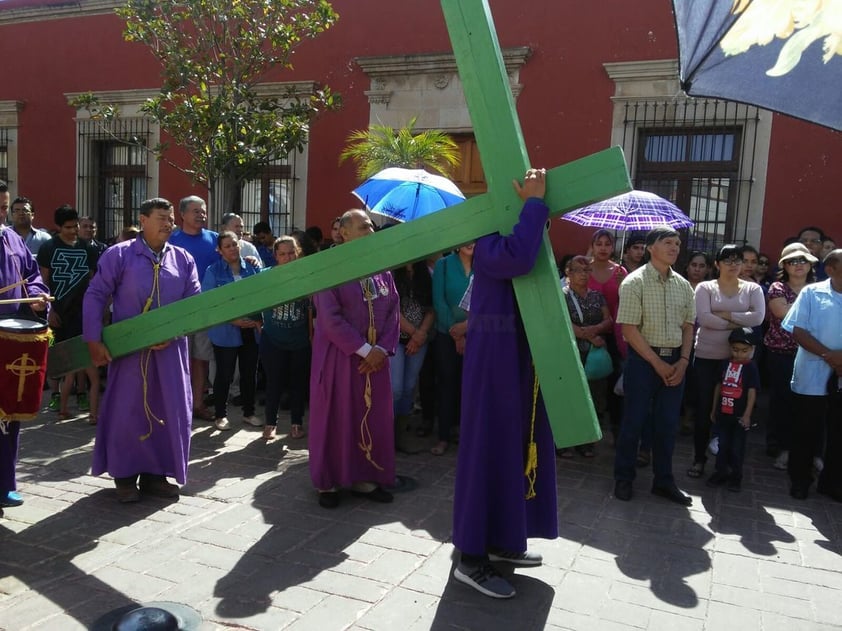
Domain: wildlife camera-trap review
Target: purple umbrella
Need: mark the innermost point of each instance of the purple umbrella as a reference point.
(635, 210)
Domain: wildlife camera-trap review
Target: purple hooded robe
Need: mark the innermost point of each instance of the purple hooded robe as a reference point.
(490, 509)
(125, 273)
(337, 388)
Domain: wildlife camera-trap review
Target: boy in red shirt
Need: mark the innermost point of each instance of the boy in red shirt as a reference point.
(733, 404)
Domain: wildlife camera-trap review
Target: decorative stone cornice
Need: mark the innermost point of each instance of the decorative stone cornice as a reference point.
(56, 10)
(431, 63)
(116, 97)
(657, 70)
(9, 113)
(440, 66)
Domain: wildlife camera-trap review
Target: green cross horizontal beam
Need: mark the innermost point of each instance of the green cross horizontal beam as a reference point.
(504, 157)
(570, 186)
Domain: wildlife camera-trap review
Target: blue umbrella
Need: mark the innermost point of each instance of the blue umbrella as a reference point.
(782, 56)
(635, 210)
(407, 194)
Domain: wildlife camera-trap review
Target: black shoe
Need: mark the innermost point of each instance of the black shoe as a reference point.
(623, 490)
(798, 491)
(673, 494)
(157, 486)
(403, 484)
(717, 479)
(773, 451)
(329, 499)
(377, 495)
(825, 489)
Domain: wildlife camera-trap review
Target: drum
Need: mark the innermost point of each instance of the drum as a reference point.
(23, 364)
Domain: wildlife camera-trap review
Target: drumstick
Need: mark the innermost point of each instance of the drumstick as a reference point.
(14, 301)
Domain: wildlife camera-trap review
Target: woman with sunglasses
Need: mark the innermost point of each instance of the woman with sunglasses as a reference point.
(722, 305)
(795, 271)
(761, 272)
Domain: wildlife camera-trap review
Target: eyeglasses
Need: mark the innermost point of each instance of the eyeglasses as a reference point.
(732, 261)
(799, 261)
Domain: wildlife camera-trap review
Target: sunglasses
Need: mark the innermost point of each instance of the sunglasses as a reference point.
(799, 261)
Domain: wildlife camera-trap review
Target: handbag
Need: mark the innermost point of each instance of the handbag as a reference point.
(598, 364)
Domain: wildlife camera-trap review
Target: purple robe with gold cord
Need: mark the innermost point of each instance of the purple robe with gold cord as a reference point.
(16, 264)
(130, 439)
(345, 445)
(490, 509)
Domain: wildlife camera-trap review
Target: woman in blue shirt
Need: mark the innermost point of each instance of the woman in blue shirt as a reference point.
(234, 340)
(450, 280)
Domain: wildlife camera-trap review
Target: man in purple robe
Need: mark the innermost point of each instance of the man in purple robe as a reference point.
(351, 419)
(145, 417)
(500, 499)
(19, 278)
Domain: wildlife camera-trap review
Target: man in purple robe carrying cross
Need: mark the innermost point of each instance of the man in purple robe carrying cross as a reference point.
(505, 470)
(143, 434)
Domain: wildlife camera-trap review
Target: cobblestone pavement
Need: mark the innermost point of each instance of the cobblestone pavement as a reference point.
(249, 548)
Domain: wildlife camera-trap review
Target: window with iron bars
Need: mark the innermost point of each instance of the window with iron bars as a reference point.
(271, 197)
(4, 155)
(699, 154)
(113, 167)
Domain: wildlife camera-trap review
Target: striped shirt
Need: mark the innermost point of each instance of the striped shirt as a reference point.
(656, 306)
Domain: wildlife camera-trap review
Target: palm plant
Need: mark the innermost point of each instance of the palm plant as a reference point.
(381, 146)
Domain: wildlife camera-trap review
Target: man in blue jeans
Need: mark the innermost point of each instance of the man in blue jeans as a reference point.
(657, 312)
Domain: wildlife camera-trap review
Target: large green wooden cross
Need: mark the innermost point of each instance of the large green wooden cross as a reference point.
(504, 158)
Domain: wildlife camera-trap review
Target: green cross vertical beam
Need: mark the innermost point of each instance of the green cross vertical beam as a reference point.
(570, 186)
(503, 153)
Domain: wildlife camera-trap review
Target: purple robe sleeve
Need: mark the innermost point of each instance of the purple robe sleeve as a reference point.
(19, 264)
(32, 275)
(337, 329)
(192, 285)
(99, 292)
(514, 255)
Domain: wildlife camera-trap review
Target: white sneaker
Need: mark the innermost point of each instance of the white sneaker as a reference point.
(222, 424)
(485, 579)
(713, 446)
(781, 461)
(253, 421)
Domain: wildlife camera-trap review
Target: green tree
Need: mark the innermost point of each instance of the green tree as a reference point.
(214, 54)
(381, 146)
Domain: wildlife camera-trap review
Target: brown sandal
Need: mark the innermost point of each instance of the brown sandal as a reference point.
(297, 431)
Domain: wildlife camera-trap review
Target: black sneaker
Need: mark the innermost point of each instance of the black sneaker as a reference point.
(526, 559)
(717, 479)
(485, 579)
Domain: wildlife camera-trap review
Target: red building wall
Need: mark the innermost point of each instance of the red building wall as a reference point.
(565, 107)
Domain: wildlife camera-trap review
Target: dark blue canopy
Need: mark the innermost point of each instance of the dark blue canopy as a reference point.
(811, 90)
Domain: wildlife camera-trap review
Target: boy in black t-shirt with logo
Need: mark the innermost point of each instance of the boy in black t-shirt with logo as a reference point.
(733, 404)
